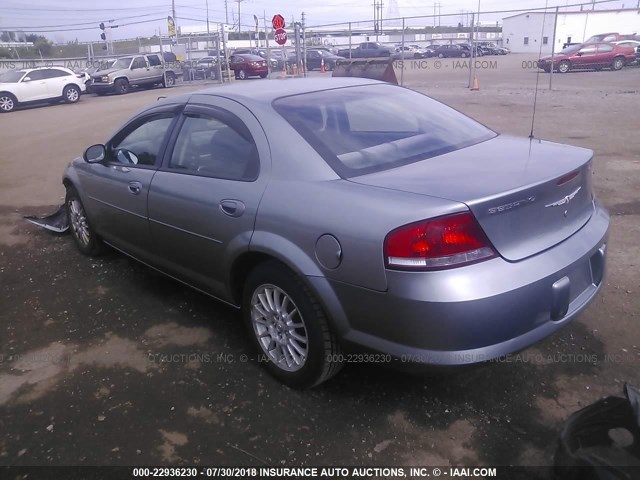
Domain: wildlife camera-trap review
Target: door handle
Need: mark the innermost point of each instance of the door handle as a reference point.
(232, 208)
(135, 188)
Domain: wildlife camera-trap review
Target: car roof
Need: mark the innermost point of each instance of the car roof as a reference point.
(268, 91)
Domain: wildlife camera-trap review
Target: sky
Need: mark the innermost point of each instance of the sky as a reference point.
(67, 20)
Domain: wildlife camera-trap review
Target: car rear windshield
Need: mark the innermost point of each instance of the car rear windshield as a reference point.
(11, 77)
(365, 129)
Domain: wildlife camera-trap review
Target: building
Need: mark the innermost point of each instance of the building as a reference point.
(528, 32)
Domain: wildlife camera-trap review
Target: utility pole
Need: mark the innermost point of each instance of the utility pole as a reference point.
(375, 18)
(434, 15)
(208, 32)
(239, 18)
(304, 45)
(226, 12)
(439, 12)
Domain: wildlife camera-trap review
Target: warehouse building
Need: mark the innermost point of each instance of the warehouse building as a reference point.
(528, 32)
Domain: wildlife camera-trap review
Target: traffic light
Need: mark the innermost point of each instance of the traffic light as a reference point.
(103, 35)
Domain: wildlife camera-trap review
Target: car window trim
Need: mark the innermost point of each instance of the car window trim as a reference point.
(216, 113)
(136, 122)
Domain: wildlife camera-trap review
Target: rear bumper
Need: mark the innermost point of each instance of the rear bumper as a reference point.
(474, 313)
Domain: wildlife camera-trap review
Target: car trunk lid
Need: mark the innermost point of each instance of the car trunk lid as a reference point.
(528, 195)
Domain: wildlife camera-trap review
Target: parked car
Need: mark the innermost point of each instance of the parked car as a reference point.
(134, 71)
(37, 85)
(479, 51)
(589, 56)
(502, 51)
(604, 37)
(245, 66)
(488, 48)
(446, 51)
(316, 57)
(261, 52)
(365, 50)
(409, 52)
(201, 69)
(635, 44)
(453, 244)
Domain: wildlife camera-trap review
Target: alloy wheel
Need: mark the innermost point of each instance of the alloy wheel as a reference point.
(72, 94)
(6, 103)
(79, 223)
(279, 327)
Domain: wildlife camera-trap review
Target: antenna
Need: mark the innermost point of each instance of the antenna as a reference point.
(535, 96)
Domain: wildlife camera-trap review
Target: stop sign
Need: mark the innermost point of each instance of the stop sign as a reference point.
(277, 22)
(280, 36)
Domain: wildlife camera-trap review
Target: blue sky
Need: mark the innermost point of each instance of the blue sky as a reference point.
(66, 20)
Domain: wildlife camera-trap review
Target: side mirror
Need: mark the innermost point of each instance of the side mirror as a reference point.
(26, 79)
(95, 154)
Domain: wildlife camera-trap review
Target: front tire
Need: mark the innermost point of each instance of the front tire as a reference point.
(8, 102)
(83, 234)
(564, 66)
(121, 86)
(289, 328)
(242, 75)
(71, 94)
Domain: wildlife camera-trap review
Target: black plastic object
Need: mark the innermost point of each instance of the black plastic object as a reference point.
(56, 222)
(373, 68)
(602, 441)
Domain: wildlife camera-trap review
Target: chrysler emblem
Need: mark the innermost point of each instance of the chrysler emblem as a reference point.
(565, 200)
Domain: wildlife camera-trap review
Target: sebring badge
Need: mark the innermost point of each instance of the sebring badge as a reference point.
(565, 200)
(512, 205)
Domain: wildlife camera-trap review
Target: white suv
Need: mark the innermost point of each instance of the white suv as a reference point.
(38, 85)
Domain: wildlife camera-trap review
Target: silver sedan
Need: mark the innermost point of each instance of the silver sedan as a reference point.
(346, 215)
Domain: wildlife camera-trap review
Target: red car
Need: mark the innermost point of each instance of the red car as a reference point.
(589, 56)
(246, 65)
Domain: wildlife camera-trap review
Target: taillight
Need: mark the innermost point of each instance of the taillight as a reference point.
(436, 244)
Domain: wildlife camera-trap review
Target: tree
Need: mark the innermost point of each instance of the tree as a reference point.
(40, 44)
(8, 36)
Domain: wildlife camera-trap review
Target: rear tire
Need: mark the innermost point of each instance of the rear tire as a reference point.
(617, 63)
(289, 328)
(169, 80)
(83, 234)
(263, 75)
(71, 94)
(121, 86)
(8, 102)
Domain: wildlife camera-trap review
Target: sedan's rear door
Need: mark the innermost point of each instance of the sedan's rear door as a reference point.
(203, 201)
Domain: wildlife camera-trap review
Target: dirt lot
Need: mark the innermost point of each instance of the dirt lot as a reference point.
(105, 362)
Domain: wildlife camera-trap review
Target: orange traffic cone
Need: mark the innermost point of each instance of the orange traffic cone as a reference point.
(294, 69)
(322, 69)
(475, 85)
